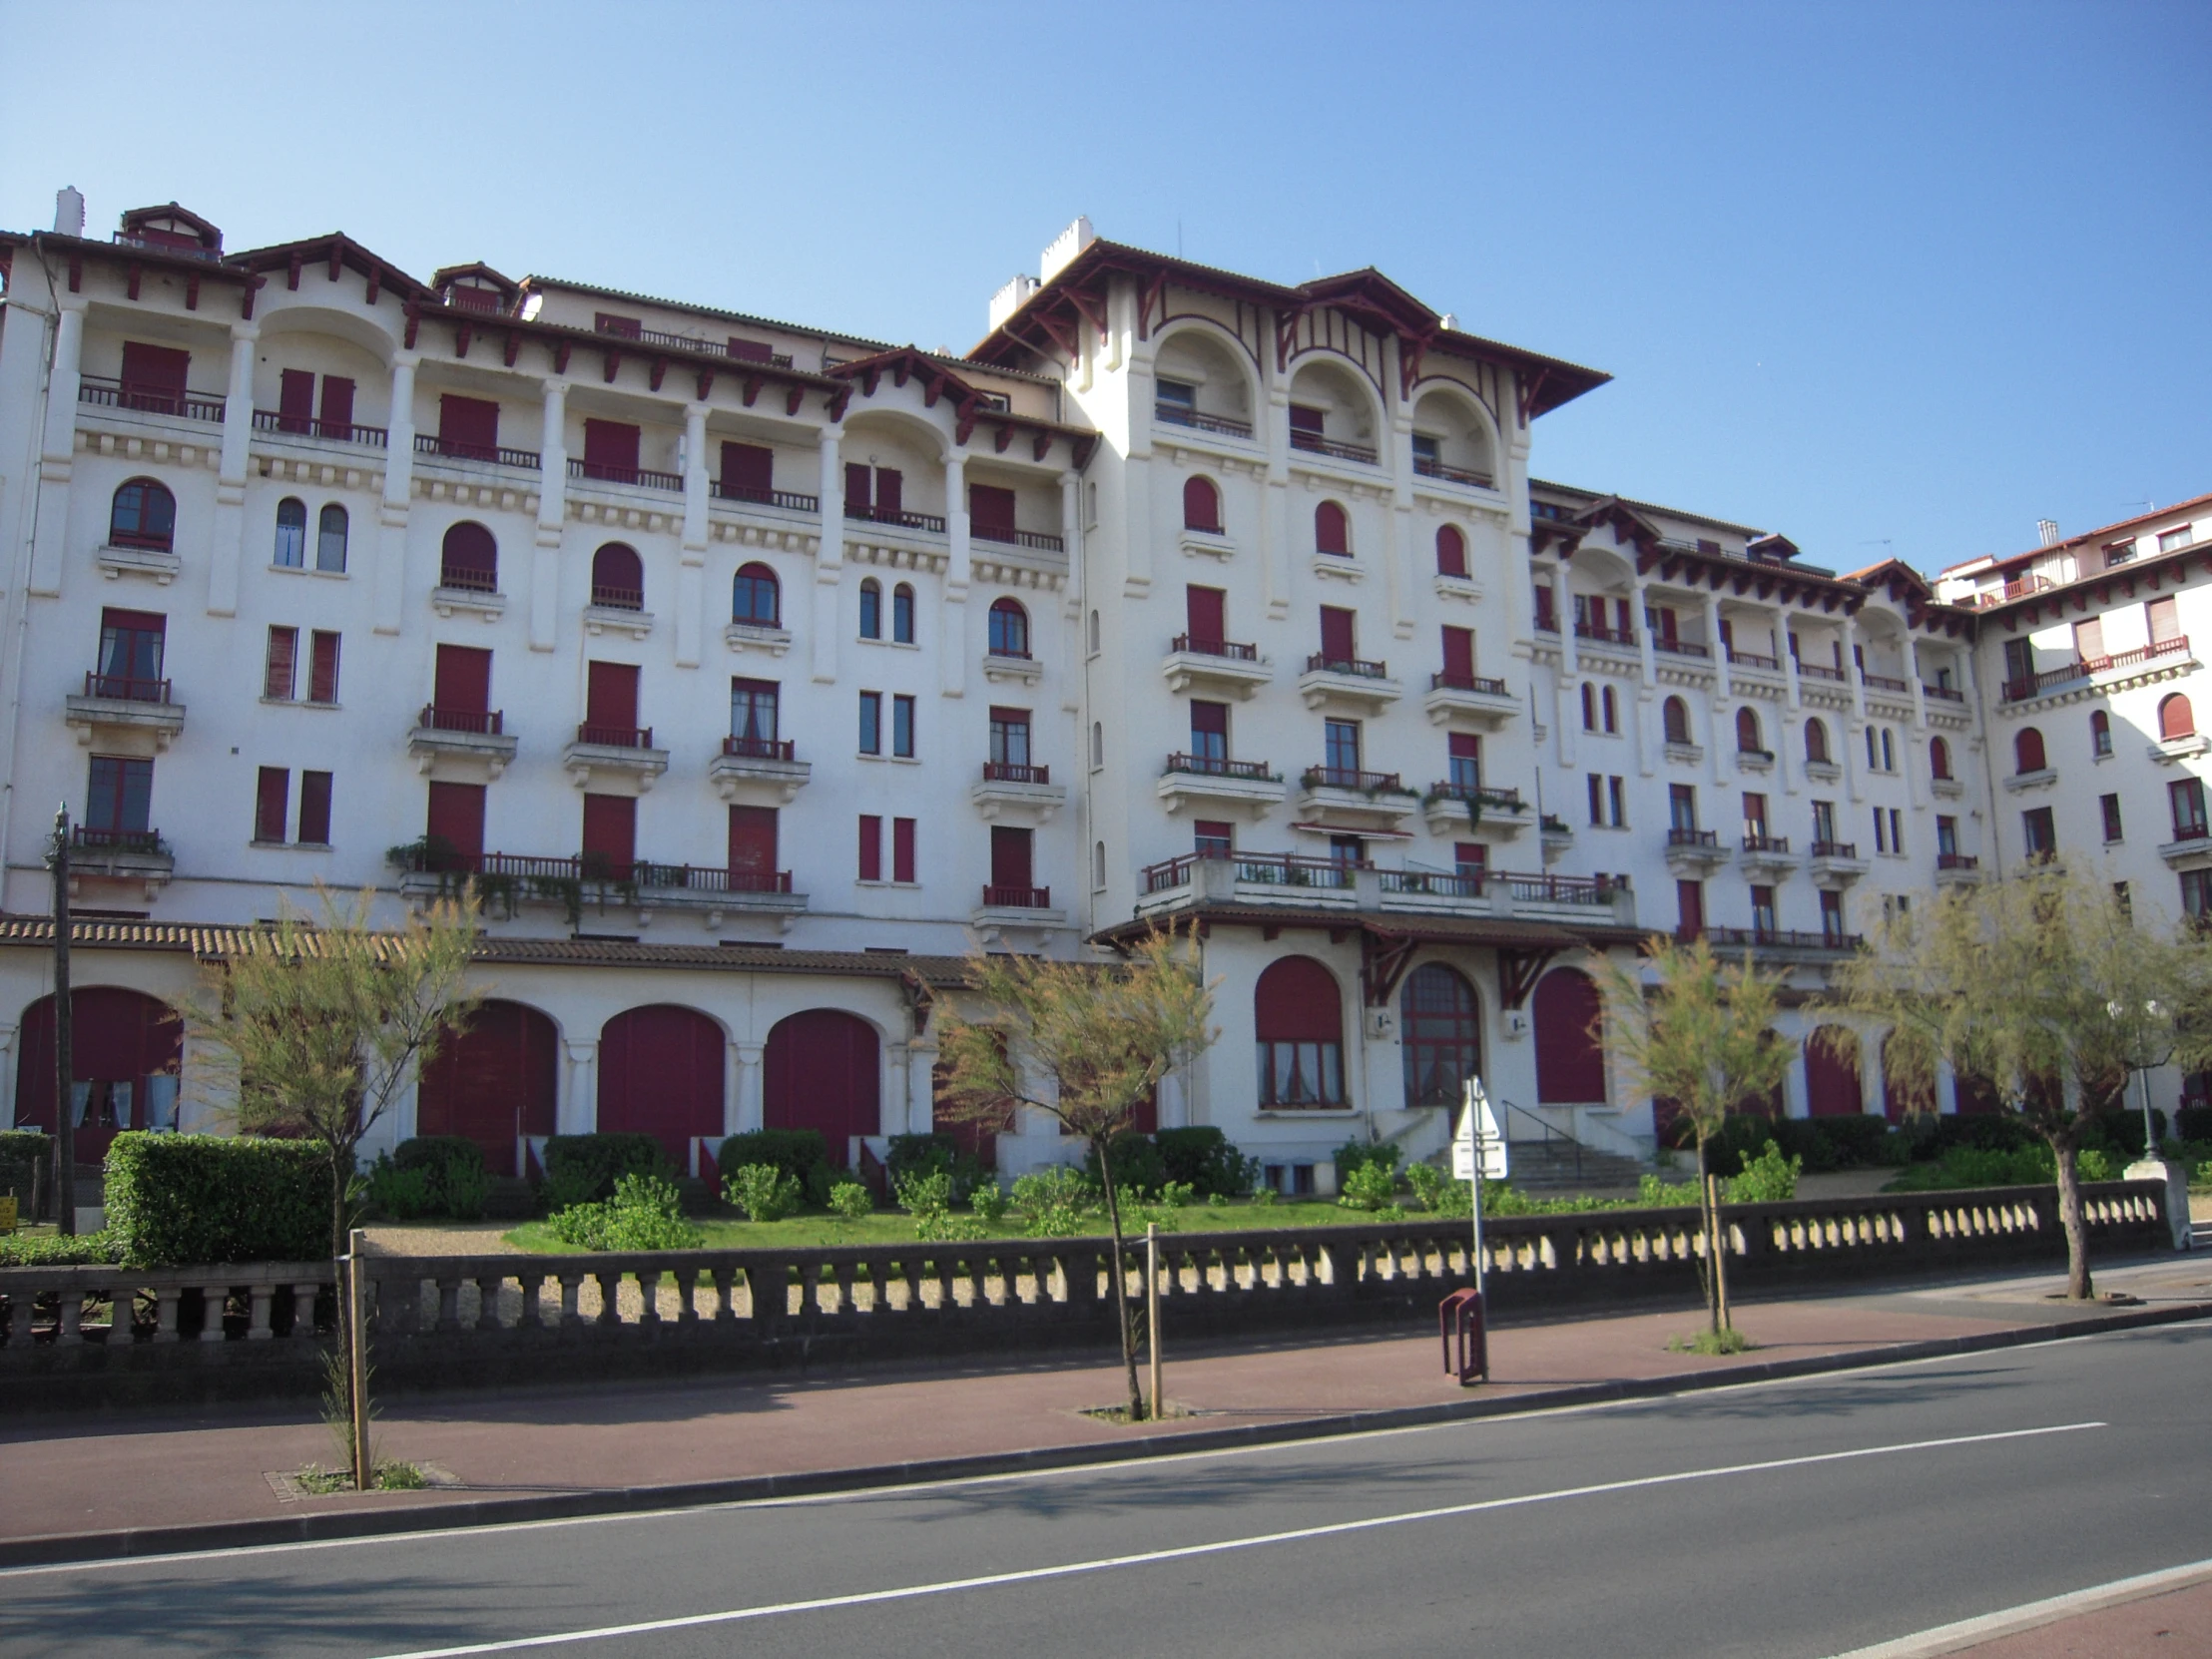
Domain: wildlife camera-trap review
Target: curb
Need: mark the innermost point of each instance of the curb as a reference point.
(138, 1542)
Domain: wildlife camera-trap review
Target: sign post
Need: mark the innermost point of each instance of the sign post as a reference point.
(1477, 1155)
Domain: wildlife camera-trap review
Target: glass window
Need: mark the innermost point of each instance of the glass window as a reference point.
(292, 533)
(902, 615)
(329, 547)
(1340, 746)
(2188, 797)
(1011, 737)
(902, 727)
(2111, 805)
(1009, 625)
(120, 794)
(753, 598)
(143, 515)
(872, 723)
(871, 608)
(753, 710)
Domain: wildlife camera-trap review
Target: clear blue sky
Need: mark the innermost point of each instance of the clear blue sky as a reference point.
(1913, 274)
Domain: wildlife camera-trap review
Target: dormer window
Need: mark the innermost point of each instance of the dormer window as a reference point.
(2168, 540)
(2120, 552)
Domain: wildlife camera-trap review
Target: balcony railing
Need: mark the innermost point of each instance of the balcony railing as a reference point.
(455, 449)
(1835, 849)
(86, 838)
(1884, 682)
(1220, 766)
(1038, 540)
(1780, 939)
(160, 245)
(1547, 622)
(1523, 888)
(1603, 635)
(131, 394)
(485, 722)
(1957, 860)
(1814, 670)
(1017, 899)
(150, 541)
(1315, 444)
(311, 426)
(2083, 667)
(1320, 661)
(1467, 683)
(1010, 772)
(788, 499)
(1177, 415)
(1453, 474)
(2019, 589)
(1477, 794)
(606, 597)
(1766, 844)
(933, 522)
(125, 688)
(1215, 648)
(1679, 648)
(614, 328)
(1352, 777)
(600, 472)
(468, 579)
(1949, 694)
(615, 737)
(1693, 838)
(596, 868)
(760, 749)
(1754, 659)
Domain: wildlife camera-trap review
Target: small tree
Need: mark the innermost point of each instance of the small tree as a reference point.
(1108, 1034)
(2044, 987)
(1701, 1034)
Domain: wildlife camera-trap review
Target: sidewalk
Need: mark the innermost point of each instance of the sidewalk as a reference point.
(148, 1470)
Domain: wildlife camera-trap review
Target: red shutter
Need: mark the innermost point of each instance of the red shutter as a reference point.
(2166, 620)
(295, 399)
(753, 844)
(2027, 749)
(278, 672)
(1201, 505)
(1665, 614)
(1332, 531)
(1547, 608)
(1459, 653)
(463, 683)
(494, 1082)
(1470, 856)
(902, 849)
(156, 370)
(751, 350)
(620, 327)
(748, 467)
(872, 849)
(609, 449)
(1338, 638)
(1305, 419)
(1210, 720)
(2090, 638)
(1207, 614)
(469, 424)
(270, 803)
(1570, 1062)
(337, 406)
(1297, 1001)
(457, 816)
(611, 696)
(315, 809)
(1620, 618)
(1689, 906)
(660, 1074)
(323, 667)
(1451, 551)
(1010, 861)
(857, 496)
(611, 832)
(992, 507)
(888, 490)
(1465, 746)
(1831, 1079)
(824, 1070)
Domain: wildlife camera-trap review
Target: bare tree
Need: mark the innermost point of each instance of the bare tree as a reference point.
(1109, 1035)
(1686, 1028)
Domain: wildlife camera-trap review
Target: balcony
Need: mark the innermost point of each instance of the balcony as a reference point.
(614, 752)
(1757, 660)
(1960, 869)
(1470, 699)
(466, 588)
(1176, 414)
(2091, 668)
(1037, 541)
(1942, 693)
(331, 431)
(1814, 670)
(506, 880)
(1348, 682)
(1596, 632)
(1019, 794)
(1696, 852)
(1296, 882)
(1835, 863)
(898, 518)
(1884, 682)
(1556, 836)
(1313, 443)
(470, 735)
(487, 454)
(1766, 856)
(637, 477)
(137, 856)
(1004, 667)
(1667, 647)
(1214, 664)
(758, 771)
(738, 351)
(1784, 945)
(1211, 781)
(134, 397)
(2191, 848)
(1425, 467)
(615, 610)
(1465, 808)
(1346, 797)
(116, 705)
(789, 500)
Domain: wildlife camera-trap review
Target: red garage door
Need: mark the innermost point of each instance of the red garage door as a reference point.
(494, 1083)
(123, 1059)
(1570, 1057)
(1832, 1076)
(822, 1071)
(660, 1074)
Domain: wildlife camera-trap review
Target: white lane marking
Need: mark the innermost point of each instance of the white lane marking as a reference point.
(1952, 1638)
(1183, 1552)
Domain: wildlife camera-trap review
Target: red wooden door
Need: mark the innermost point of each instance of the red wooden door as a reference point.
(752, 848)
(1339, 634)
(822, 1071)
(1207, 614)
(125, 1053)
(1459, 653)
(153, 376)
(859, 489)
(610, 835)
(1831, 1078)
(611, 451)
(660, 1074)
(295, 399)
(463, 680)
(494, 1082)
(337, 406)
(990, 508)
(1689, 904)
(469, 425)
(611, 700)
(1010, 861)
(748, 470)
(457, 819)
(1570, 1061)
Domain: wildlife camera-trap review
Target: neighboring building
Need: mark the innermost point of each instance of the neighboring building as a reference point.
(1184, 595)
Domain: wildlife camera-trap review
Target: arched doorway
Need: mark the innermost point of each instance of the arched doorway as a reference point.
(124, 1058)
(1440, 1028)
(1298, 1019)
(1570, 1053)
(494, 1083)
(1832, 1074)
(822, 1070)
(660, 1074)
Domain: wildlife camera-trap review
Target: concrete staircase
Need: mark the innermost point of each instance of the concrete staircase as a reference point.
(1551, 1167)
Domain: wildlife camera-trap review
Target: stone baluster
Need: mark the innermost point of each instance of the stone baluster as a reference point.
(261, 1294)
(303, 1309)
(488, 1286)
(572, 1286)
(649, 1297)
(726, 1310)
(69, 1317)
(687, 1287)
(450, 1301)
(533, 1316)
(610, 1296)
(214, 1299)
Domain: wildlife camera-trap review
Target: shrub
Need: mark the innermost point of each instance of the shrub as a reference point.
(1217, 1201)
(988, 1201)
(644, 1214)
(1204, 1159)
(850, 1201)
(2026, 1166)
(1353, 1155)
(925, 1192)
(1059, 1202)
(1176, 1195)
(1437, 1192)
(459, 1180)
(25, 1156)
(1767, 1179)
(912, 1154)
(763, 1192)
(188, 1200)
(2191, 1123)
(1655, 1194)
(583, 1169)
(795, 1151)
(1136, 1161)
(401, 1193)
(1263, 1198)
(1369, 1186)
(51, 1250)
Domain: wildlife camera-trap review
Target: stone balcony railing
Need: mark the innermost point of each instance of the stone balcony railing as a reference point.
(1195, 880)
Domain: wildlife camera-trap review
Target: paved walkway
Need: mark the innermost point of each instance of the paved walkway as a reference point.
(69, 1475)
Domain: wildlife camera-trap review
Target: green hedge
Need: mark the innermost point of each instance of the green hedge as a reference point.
(185, 1200)
(802, 1154)
(1206, 1159)
(51, 1250)
(583, 1169)
(431, 1175)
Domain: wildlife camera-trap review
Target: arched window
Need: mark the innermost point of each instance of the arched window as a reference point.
(2027, 751)
(1888, 751)
(1873, 759)
(1612, 709)
(1009, 629)
(1570, 1052)
(1451, 551)
(902, 615)
(2100, 732)
(1748, 734)
(143, 515)
(1816, 742)
(1441, 1034)
(330, 546)
(1098, 743)
(1674, 716)
(1201, 505)
(1297, 1020)
(1093, 637)
(469, 559)
(2175, 718)
(871, 608)
(1589, 707)
(753, 597)
(1098, 864)
(126, 1052)
(618, 577)
(1939, 759)
(1332, 529)
(292, 533)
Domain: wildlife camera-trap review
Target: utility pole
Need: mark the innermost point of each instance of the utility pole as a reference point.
(65, 1129)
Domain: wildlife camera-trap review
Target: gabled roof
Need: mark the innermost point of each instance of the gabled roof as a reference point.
(906, 363)
(445, 275)
(210, 235)
(333, 251)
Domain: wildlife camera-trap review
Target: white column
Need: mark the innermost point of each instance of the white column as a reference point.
(750, 1111)
(1723, 686)
(828, 559)
(391, 517)
(921, 1103)
(1857, 680)
(1641, 622)
(50, 534)
(577, 1112)
(1870, 1086)
(1515, 591)
(8, 1057)
(545, 556)
(226, 545)
(952, 643)
(691, 569)
(1788, 656)
(1563, 610)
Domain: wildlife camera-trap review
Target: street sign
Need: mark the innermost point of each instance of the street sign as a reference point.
(1478, 1140)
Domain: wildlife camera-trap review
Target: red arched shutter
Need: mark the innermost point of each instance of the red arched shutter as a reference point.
(1747, 731)
(1201, 504)
(1570, 1060)
(1831, 1077)
(822, 1072)
(1451, 551)
(2176, 719)
(660, 1074)
(2027, 751)
(494, 1082)
(1331, 530)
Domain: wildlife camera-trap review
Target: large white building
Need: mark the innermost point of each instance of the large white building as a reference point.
(753, 671)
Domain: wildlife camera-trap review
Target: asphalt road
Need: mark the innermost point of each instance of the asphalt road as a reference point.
(1801, 1518)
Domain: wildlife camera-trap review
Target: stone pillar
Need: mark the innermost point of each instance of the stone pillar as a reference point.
(1788, 655)
(577, 1111)
(921, 1088)
(828, 560)
(1872, 1088)
(1639, 613)
(1569, 715)
(545, 557)
(747, 1096)
(1796, 1091)
(393, 511)
(1856, 677)
(952, 643)
(227, 540)
(50, 534)
(691, 569)
(1722, 686)
(1515, 591)
(8, 1056)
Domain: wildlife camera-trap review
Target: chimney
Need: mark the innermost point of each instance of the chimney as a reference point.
(69, 212)
(2047, 528)
(1449, 322)
(1064, 248)
(1008, 300)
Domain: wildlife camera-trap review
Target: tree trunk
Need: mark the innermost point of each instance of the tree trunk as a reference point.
(1710, 1266)
(1137, 1411)
(2078, 1287)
